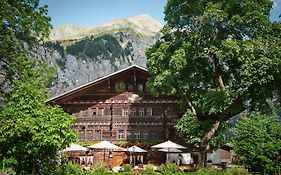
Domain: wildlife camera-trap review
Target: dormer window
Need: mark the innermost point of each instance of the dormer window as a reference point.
(130, 88)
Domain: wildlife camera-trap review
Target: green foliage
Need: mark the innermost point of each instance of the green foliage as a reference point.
(168, 168)
(32, 132)
(87, 143)
(71, 169)
(7, 165)
(237, 171)
(55, 46)
(192, 130)
(22, 22)
(128, 168)
(99, 168)
(106, 46)
(146, 144)
(188, 127)
(213, 171)
(220, 58)
(258, 142)
(149, 170)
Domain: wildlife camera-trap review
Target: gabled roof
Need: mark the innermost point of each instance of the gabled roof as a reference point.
(85, 86)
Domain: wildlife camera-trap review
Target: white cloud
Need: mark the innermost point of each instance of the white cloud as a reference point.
(275, 4)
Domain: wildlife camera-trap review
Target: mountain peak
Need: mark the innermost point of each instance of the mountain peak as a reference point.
(144, 24)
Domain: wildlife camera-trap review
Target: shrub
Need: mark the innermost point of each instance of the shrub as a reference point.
(71, 169)
(128, 168)
(149, 170)
(211, 171)
(99, 168)
(238, 171)
(258, 141)
(169, 168)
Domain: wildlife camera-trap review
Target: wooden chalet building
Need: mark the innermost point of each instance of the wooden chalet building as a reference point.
(119, 107)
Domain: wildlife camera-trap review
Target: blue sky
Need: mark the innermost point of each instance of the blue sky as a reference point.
(94, 12)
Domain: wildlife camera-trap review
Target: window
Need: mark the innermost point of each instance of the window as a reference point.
(129, 135)
(94, 111)
(81, 135)
(120, 135)
(149, 111)
(130, 88)
(141, 112)
(145, 135)
(118, 126)
(125, 112)
(153, 136)
(89, 134)
(85, 113)
(133, 111)
(120, 86)
(140, 88)
(97, 134)
(100, 112)
(137, 135)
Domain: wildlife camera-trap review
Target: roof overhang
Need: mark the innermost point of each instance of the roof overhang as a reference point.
(92, 83)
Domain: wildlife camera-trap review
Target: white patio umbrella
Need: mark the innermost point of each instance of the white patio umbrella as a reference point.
(169, 145)
(105, 145)
(75, 148)
(170, 150)
(135, 149)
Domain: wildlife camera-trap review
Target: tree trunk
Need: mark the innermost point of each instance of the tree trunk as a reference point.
(204, 145)
(202, 156)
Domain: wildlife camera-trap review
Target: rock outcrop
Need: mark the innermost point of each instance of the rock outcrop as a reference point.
(80, 55)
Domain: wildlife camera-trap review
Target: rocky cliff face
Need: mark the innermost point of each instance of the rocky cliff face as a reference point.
(80, 55)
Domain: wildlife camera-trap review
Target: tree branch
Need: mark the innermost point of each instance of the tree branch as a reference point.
(191, 107)
(217, 71)
(209, 135)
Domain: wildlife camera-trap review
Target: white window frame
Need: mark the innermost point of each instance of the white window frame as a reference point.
(137, 135)
(133, 111)
(141, 111)
(100, 112)
(82, 134)
(129, 134)
(100, 138)
(145, 135)
(149, 112)
(121, 135)
(89, 136)
(125, 112)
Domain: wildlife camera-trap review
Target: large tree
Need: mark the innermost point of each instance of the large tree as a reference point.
(32, 132)
(22, 23)
(220, 57)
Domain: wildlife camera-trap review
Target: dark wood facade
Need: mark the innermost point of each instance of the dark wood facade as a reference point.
(119, 107)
